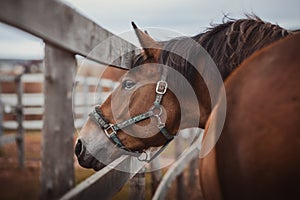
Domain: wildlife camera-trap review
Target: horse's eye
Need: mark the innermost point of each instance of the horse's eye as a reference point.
(128, 84)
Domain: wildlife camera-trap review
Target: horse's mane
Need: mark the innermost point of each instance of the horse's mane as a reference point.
(228, 44)
(234, 40)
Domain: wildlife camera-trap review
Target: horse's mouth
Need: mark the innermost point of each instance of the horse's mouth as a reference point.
(96, 165)
(87, 160)
(90, 162)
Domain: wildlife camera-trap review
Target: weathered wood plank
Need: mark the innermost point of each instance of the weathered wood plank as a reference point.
(35, 124)
(180, 178)
(192, 172)
(28, 125)
(137, 186)
(7, 78)
(20, 116)
(156, 174)
(177, 168)
(105, 183)
(62, 26)
(57, 171)
(1, 119)
(37, 99)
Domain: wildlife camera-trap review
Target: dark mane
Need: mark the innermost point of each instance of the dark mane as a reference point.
(228, 44)
(233, 41)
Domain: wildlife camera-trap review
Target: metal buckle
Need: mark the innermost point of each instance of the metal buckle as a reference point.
(160, 124)
(109, 131)
(161, 87)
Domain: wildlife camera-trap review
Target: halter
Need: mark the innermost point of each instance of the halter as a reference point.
(111, 130)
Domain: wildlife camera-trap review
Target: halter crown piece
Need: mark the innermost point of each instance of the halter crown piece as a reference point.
(111, 130)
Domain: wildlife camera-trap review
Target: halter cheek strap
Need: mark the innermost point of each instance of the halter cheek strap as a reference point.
(111, 130)
(97, 116)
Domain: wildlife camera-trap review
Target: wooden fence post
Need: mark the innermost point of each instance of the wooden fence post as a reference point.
(180, 177)
(57, 172)
(192, 172)
(19, 115)
(156, 174)
(1, 117)
(137, 186)
(86, 89)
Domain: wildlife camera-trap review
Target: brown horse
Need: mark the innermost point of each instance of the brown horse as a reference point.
(257, 155)
(150, 92)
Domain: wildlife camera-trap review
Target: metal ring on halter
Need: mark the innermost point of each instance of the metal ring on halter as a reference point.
(156, 107)
(157, 115)
(140, 156)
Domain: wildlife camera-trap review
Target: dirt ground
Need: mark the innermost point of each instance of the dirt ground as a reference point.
(23, 184)
(16, 183)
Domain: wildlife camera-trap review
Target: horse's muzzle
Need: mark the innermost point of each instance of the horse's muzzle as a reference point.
(85, 159)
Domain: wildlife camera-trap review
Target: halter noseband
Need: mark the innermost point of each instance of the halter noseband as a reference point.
(111, 130)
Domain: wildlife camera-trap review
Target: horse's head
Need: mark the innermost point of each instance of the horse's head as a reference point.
(142, 112)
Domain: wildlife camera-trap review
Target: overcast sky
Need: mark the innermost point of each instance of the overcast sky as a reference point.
(187, 17)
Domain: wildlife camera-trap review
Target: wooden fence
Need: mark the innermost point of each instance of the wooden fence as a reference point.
(67, 33)
(17, 109)
(188, 158)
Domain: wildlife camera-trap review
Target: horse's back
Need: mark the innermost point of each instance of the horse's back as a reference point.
(257, 154)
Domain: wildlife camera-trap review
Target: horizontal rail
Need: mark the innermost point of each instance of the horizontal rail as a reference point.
(28, 99)
(62, 26)
(33, 78)
(25, 78)
(29, 125)
(96, 81)
(8, 78)
(37, 99)
(39, 78)
(40, 110)
(177, 168)
(35, 124)
(105, 183)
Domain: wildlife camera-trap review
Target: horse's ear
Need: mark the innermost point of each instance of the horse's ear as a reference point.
(150, 46)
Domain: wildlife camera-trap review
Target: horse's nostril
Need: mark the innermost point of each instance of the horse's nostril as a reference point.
(78, 147)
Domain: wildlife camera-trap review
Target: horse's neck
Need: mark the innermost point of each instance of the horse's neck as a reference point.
(193, 106)
(204, 102)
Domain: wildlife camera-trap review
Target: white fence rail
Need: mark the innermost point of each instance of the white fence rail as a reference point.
(190, 155)
(105, 183)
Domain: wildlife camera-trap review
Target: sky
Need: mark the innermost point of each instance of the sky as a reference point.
(185, 17)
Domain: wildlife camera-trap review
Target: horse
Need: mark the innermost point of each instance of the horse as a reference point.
(145, 93)
(256, 156)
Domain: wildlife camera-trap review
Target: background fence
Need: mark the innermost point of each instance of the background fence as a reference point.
(17, 109)
(87, 91)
